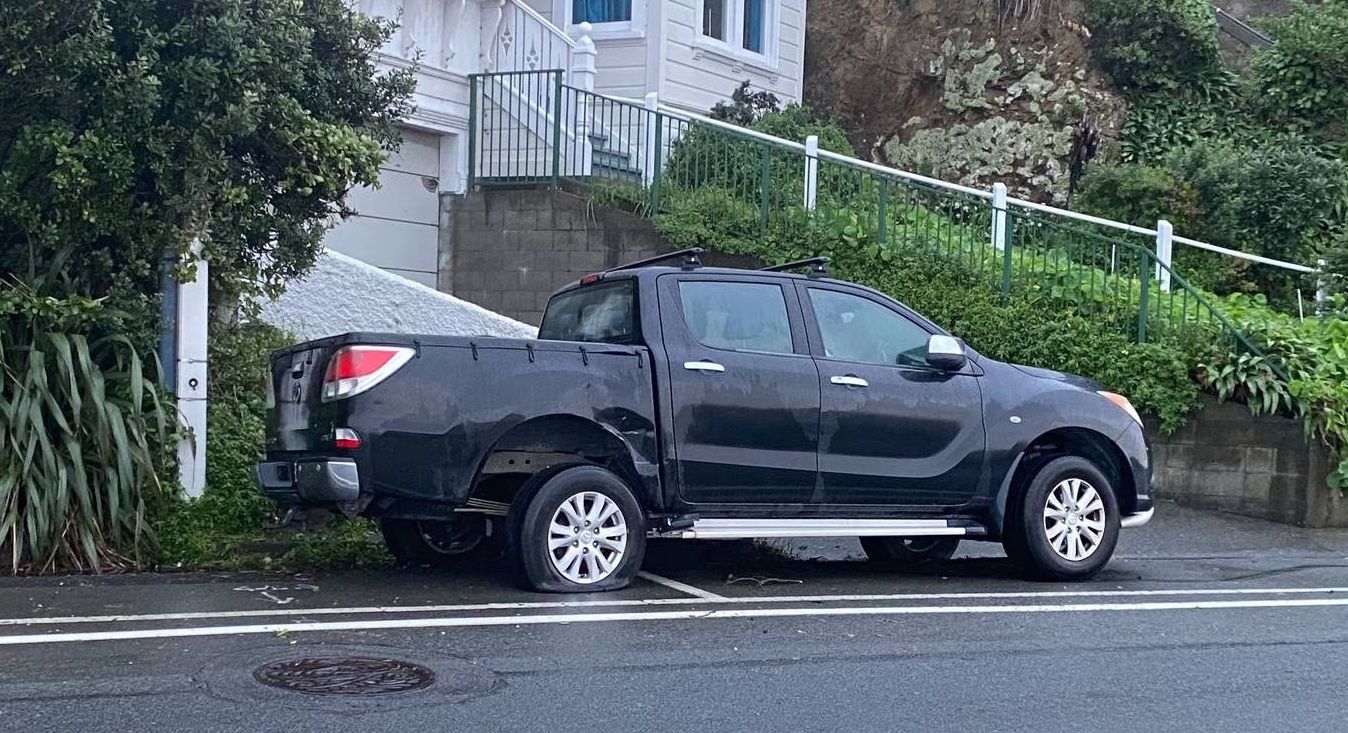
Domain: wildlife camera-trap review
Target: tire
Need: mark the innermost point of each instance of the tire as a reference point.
(608, 558)
(1078, 540)
(438, 543)
(909, 551)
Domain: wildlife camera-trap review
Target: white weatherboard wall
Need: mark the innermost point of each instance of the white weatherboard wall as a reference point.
(396, 226)
(663, 51)
(343, 294)
(698, 71)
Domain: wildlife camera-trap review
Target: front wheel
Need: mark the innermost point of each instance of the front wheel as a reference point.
(581, 531)
(1066, 524)
(909, 551)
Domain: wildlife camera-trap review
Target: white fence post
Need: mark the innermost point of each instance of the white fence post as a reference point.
(578, 113)
(999, 216)
(811, 172)
(1321, 287)
(649, 158)
(191, 390)
(1165, 252)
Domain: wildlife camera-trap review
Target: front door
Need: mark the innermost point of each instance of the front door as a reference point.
(893, 430)
(745, 391)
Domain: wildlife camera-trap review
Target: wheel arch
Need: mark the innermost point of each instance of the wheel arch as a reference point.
(545, 442)
(1086, 443)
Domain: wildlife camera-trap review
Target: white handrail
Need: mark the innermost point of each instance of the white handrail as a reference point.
(896, 173)
(1022, 203)
(558, 32)
(744, 131)
(1245, 255)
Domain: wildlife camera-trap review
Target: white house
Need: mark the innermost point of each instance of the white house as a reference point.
(691, 54)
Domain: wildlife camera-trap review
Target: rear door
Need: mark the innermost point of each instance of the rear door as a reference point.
(893, 430)
(744, 390)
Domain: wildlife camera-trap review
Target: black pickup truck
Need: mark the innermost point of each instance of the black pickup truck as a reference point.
(693, 402)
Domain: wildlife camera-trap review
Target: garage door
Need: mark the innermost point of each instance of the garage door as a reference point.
(396, 226)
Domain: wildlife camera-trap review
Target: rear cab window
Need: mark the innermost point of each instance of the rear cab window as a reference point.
(601, 313)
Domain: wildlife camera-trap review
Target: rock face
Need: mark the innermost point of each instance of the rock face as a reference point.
(974, 91)
(343, 294)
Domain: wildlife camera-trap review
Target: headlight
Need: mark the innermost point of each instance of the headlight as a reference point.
(1123, 403)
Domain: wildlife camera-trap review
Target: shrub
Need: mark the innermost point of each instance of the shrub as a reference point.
(80, 422)
(1301, 83)
(1155, 44)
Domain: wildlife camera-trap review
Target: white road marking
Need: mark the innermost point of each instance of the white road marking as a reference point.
(617, 603)
(705, 595)
(721, 613)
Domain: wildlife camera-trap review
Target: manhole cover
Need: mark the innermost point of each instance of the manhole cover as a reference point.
(345, 676)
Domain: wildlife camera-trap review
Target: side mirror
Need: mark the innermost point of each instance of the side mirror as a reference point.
(946, 353)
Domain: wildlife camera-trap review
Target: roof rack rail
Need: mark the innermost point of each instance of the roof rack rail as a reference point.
(818, 266)
(691, 261)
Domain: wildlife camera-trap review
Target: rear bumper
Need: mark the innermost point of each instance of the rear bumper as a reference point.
(309, 481)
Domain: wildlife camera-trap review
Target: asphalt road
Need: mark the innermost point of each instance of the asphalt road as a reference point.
(1202, 622)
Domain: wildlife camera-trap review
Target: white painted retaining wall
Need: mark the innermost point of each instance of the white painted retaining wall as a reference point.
(343, 294)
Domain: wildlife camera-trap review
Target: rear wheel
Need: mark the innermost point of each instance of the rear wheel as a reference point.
(429, 542)
(1065, 525)
(909, 551)
(581, 530)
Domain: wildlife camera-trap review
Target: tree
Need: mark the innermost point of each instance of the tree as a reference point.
(132, 127)
(129, 129)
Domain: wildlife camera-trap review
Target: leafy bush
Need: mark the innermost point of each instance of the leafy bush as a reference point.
(1155, 44)
(80, 422)
(1269, 200)
(1301, 83)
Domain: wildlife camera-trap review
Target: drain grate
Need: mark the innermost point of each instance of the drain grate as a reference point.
(345, 676)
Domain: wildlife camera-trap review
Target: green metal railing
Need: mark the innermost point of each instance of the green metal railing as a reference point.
(532, 128)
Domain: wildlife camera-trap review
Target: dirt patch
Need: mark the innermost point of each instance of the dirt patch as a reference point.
(970, 90)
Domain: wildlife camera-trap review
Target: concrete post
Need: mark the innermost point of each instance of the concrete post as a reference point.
(811, 172)
(1165, 252)
(193, 322)
(999, 216)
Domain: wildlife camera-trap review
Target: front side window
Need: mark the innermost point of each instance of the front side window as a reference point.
(860, 330)
(601, 11)
(597, 314)
(737, 316)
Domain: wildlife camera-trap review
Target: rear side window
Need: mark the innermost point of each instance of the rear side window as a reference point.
(737, 316)
(596, 313)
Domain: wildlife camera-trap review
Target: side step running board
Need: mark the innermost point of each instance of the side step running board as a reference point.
(738, 529)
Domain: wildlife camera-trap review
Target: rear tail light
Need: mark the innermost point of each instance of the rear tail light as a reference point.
(271, 388)
(355, 369)
(345, 439)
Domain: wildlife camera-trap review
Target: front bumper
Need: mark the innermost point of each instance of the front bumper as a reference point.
(309, 481)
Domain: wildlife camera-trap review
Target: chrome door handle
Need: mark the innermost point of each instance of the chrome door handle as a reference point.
(849, 381)
(703, 366)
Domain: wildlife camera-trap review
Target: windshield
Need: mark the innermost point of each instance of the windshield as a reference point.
(598, 313)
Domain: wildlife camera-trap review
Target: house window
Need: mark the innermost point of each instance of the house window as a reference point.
(744, 25)
(601, 11)
(713, 19)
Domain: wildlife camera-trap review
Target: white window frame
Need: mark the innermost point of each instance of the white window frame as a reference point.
(634, 28)
(732, 49)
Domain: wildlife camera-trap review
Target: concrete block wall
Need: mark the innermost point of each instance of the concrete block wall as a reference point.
(509, 250)
(1230, 460)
